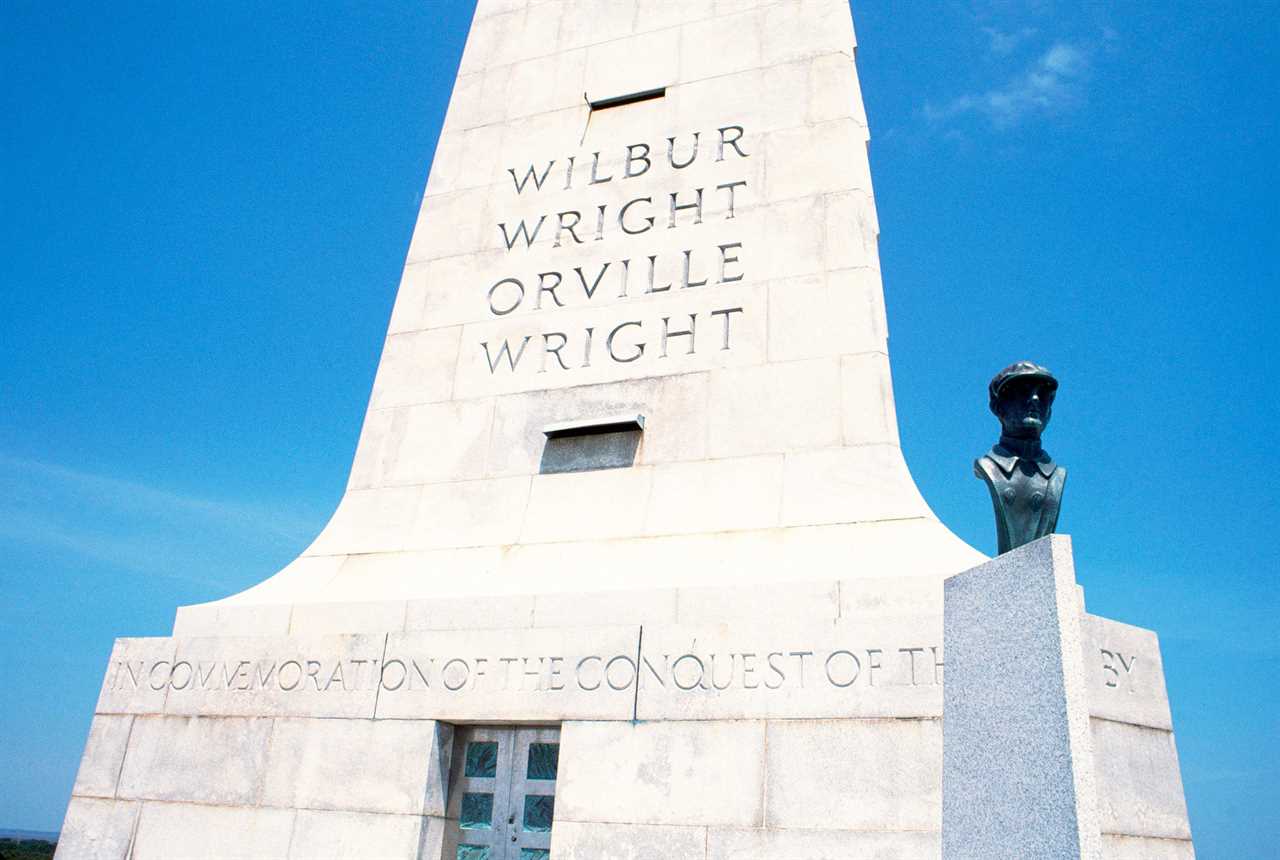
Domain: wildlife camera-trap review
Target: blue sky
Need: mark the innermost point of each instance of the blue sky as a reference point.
(208, 206)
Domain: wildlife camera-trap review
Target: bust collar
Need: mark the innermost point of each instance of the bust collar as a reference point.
(1008, 461)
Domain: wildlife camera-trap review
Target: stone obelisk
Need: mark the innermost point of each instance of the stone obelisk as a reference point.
(629, 563)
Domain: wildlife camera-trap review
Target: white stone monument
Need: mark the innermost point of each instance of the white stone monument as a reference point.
(629, 564)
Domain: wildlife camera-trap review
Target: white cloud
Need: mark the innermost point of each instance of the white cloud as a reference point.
(1003, 43)
(1053, 83)
(139, 528)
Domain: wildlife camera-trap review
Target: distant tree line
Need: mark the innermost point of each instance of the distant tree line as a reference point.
(26, 849)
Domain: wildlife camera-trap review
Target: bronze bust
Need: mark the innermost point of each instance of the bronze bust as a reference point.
(1025, 484)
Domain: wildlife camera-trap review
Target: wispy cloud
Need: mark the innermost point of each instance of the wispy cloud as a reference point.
(1002, 43)
(1051, 84)
(139, 528)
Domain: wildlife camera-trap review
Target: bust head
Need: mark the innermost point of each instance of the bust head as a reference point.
(1021, 396)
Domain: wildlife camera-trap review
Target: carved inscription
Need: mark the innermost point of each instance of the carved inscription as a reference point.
(583, 279)
(1117, 669)
(690, 672)
(693, 672)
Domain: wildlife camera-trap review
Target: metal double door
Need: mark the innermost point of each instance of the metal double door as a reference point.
(502, 793)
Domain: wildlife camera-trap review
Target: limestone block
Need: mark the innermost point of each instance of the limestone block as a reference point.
(833, 89)
(414, 575)
(459, 116)
(760, 100)
(103, 756)
(95, 829)
(586, 505)
(875, 597)
(354, 835)
(388, 766)
(687, 773)
(490, 675)
(421, 452)
(485, 8)
(754, 410)
(867, 409)
(854, 774)
(721, 46)
(369, 616)
(369, 520)
(489, 32)
(849, 485)
(756, 669)
(454, 166)
(277, 591)
(632, 64)
(813, 602)
(478, 99)
(470, 513)
(459, 222)
(1018, 768)
(573, 840)
(851, 238)
(545, 85)
(816, 315)
(801, 30)
(135, 682)
(714, 495)
(366, 468)
(915, 547)
(199, 620)
(589, 22)
(605, 608)
(243, 617)
(407, 312)
(1139, 783)
(225, 755)
(212, 832)
(486, 612)
(819, 159)
(796, 247)
(316, 676)
(661, 14)
(263, 619)
(537, 36)
(1126, 674)
(416, 367)
(517, 440)
(773, 844)
(625, 564)
(1145, 848)
(443, 302)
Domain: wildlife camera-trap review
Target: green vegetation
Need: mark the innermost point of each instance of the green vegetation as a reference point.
(26, 849)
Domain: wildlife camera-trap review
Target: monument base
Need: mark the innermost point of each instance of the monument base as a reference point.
(800, 721)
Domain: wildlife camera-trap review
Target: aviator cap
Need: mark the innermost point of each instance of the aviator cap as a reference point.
(1018, 370)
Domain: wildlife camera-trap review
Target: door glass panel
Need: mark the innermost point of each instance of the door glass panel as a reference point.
(501, 795)
(477, 811)
(544, 759)
(482, 759)
(538, 809)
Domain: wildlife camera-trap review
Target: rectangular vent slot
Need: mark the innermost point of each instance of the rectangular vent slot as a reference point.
(630, 98)
(590, 444)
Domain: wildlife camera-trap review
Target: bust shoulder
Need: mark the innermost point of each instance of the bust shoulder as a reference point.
(988, 468)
